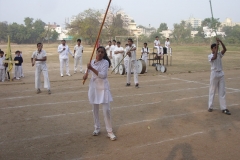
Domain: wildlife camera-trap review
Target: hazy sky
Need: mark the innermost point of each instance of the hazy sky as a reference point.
(144, 12)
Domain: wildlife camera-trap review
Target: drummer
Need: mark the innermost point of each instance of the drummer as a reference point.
(145, 51)
(132, 63)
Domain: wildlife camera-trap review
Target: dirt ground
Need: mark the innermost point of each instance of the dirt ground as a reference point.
(166, 118)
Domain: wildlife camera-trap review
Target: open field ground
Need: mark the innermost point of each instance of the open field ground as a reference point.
(166, 118)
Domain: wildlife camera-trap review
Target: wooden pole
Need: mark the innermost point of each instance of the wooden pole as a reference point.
(99, 33)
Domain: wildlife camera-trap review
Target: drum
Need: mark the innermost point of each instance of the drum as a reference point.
(141, 66)
(164, 50)
(158, 67)
(163, 69)
(121, 69)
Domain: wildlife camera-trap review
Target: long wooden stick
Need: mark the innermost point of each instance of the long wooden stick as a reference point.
(99, 33)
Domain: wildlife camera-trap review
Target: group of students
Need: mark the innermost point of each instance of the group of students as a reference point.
(18, 60)
(159, 48)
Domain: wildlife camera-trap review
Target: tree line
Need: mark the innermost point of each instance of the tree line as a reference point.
(32, 31)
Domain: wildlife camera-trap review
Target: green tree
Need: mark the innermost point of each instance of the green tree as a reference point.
(163, 26)
(182, 32)
(3, 31)
(86, 25)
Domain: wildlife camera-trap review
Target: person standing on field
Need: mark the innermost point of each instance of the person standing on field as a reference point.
(78, 51)
(63, 51)
(217, 81)
(39, 58)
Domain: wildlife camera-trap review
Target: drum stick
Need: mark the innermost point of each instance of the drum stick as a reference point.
(121, 61)
(100, 30)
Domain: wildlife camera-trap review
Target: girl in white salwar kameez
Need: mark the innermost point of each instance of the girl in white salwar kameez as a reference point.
(99, 91)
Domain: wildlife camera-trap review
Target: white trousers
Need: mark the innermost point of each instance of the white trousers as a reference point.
(62, 63)
(22, 75)
(41, 68)
(2, 74)
(118, 58)
(145, 58)
(132, 64)
(113, 62)
(159, 50)
(18, 71)
(217, 82)
(106, 114)
(76, 61)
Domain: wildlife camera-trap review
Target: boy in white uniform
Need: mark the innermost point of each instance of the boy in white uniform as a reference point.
(131, 52)
(217, 77)
(108, 47)
(158, 46)
(167, 44)
(78, 51)
(112, 56)
(145, 51)
(126, 59)
(118, 54)
(40, 57)
(2, 67)
(63, 51)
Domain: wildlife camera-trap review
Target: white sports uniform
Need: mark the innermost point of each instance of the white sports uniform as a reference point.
(126, 59)
(217, 81)
(107, 48)
(167, 45)
(41, 66)
(99, 93)
(2, 69)
(63, 58)
(78, 57)
(112, 49)
(159, 48)
(119, 56)
(145, 52)
(132, 63)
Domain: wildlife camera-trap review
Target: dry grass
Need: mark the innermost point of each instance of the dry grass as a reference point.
(185, 58)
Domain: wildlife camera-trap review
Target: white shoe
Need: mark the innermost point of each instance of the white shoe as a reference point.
(17, 78)
(68, 74)
(61, 75)
(111, 136)
(96, 132)
(75, 72)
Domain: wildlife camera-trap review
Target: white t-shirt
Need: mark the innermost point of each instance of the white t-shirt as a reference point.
(78, 50)
(112, 49)
(40, 55)
(108, 49)
(2, 62)
(118, 49)
(63, 54)
(156, 43)
(216, 65)
(167, 44)
(133, 53)
(144, 51)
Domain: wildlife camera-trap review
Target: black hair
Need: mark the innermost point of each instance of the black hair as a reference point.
(79, 40)
(118, 42)
(167, 38)
(38, 43)
(63, 40)
(130, 39)
(17, 51)
(114, 40)
(126, 44)
(105, 54)
(156, 37)
(145, 43)
(213, 45)
(1, 52)
(110, 41)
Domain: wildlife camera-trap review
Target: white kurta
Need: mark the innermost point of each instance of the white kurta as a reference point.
(99, 88)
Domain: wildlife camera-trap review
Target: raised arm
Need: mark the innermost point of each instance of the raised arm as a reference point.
(223, 46)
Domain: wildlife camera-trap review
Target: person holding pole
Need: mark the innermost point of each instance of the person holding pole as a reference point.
(99, 91)
(217, 81)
